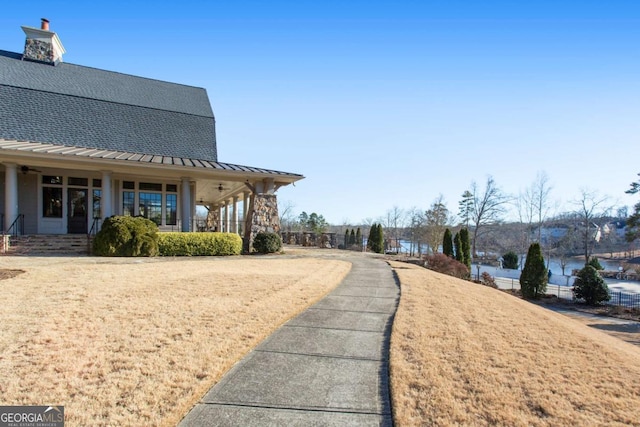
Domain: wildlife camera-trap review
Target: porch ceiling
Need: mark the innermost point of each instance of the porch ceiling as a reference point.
(215, 181)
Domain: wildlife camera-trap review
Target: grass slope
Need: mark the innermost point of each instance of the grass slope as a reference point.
(139, 341)
(464, 354)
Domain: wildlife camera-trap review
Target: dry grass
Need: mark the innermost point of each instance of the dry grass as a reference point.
(464, 354)
(138, 342)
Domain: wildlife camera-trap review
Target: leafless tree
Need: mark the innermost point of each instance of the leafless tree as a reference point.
(437, 219)
(590, 206)
(393, 221)
(288, 219)
(416, 225)
(488, 207)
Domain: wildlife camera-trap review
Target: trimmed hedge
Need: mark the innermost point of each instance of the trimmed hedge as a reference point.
(267, 243)
(199, 244)
(126, 236)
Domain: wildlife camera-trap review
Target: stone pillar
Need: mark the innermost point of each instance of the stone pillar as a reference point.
(185, 205)
(11, 210)
(263, 217)
(106, 204)
(234, 229)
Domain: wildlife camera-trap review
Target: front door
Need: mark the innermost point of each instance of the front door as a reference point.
(77, 212)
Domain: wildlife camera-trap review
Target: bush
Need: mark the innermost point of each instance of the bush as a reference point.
(488, 280)
(126, 236)
(267, 243)
(199, 244)
(446, 265)
(510, 260)
(534, 276)
(593, 262)
(590, 287)
(447, 244)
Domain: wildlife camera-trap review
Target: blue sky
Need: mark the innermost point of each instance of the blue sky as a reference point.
(381, 103)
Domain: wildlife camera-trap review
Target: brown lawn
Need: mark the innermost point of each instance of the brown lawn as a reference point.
(139, 341)
(464, 354)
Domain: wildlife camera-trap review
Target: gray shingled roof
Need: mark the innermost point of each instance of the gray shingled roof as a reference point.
(80, 106)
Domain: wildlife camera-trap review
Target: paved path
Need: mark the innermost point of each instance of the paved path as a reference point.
(328, 366)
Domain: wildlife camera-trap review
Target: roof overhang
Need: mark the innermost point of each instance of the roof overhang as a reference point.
(209, 176)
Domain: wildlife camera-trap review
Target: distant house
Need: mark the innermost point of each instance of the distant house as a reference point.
(79, 144)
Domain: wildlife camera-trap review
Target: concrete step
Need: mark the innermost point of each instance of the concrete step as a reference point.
(62, 244)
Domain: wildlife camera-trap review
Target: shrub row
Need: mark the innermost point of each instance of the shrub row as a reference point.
(137, 236)
(199, 244)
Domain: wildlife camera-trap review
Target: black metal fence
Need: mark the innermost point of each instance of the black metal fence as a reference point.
(620, 299)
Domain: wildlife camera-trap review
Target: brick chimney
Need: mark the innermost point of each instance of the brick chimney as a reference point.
(42, 45)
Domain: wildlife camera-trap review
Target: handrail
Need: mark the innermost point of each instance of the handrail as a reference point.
(94, 227)
(17, 226)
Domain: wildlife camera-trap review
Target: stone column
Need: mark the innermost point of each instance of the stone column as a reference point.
(185, 198)
(263, 217)
(236, 199)
(10, 194)
(106, 204)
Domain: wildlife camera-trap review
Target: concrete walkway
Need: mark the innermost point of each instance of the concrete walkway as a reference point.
(328, 366)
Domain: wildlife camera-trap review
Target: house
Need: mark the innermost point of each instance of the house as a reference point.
(79, 144)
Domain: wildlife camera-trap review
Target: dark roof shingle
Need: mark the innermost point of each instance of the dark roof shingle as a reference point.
(80, 106)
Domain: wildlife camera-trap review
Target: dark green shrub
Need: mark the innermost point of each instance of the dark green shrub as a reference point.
(447, 243)
(359, 237)
(534, 276)
(199, 244)
(510, 260)
(126, 236)
(375, 242)
(593, 262)
(457, 246)
(590, 286)
(466, 247)
(267, 243)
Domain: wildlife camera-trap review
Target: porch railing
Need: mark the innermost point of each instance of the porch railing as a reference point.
(95, 227)
(17, 226)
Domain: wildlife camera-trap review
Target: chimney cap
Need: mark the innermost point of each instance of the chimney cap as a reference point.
(45, 24)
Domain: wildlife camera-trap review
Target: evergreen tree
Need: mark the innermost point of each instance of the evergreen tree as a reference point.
(510, 260)
(372, 235)
(346, 239)
(590, 286)
(375, 243)
(352, 237)
(593, 262)
(466, 247)
(534, 276)
(380, 237)
(447, 244)
(359, 237)
(457, 245)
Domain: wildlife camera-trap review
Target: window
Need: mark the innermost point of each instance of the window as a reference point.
(150, 206)
(172, 209)
(97, 196)
(56, 180)
(128, 185)
(97, 183)
(128, 203)
(52, 202)
(80, 182)
(147, 186)
(172, 188)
